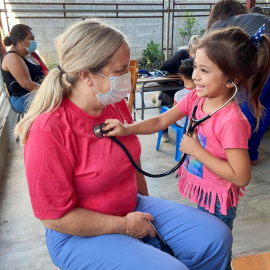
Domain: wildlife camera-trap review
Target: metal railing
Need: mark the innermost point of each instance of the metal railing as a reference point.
(142, 23)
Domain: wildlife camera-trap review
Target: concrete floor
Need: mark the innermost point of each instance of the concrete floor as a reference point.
(22, 241)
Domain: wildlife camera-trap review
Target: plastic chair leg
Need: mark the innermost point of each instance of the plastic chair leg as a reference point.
(179, 135)
(18, 118)
(159, 139)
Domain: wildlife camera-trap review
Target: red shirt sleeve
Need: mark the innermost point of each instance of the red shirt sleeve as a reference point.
(49, 172)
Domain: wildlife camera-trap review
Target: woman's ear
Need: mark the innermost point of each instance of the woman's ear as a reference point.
(86, 77)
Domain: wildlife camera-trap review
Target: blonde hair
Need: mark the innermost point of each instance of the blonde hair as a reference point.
(193, 43)
(85, 45)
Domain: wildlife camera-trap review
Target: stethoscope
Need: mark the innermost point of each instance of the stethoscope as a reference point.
(193, 123)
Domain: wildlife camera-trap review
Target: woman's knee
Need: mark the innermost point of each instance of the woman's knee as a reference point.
(219, 236)
(106, 252)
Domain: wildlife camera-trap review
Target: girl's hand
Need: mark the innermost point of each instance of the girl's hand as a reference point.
(116, 128)
(190, 145)
(138, 226)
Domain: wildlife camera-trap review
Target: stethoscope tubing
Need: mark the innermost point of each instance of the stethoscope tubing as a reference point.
(193, 123)
(141, 170)
(163, 245)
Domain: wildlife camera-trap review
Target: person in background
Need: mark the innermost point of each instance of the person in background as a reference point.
(96, 212)
(186, 71)
(23, 65)
(193, 44)
(167, 95)
(225, 9)
(172, 65)
(257, 9)
(233, 13)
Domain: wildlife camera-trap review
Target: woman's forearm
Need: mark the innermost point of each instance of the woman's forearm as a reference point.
(83, 222)
(30, 85)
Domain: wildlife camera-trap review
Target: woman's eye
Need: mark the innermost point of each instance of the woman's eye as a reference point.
(194, 67)
(203, 70)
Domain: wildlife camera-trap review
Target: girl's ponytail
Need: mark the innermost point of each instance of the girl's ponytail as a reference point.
(47, 98)
(261, 74)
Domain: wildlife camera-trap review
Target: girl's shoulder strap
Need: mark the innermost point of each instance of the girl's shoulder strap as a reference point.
(36, 56)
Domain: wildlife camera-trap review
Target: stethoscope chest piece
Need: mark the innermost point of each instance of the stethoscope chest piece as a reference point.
(98, 132)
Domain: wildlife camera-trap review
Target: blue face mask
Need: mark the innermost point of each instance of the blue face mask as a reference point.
(32, 47)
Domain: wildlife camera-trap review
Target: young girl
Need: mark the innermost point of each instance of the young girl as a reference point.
(217, 165)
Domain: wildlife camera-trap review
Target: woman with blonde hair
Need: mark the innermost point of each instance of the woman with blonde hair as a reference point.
(94, 206)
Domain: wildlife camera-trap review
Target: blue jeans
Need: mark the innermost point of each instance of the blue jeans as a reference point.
(199, 241)
(21, 104)
(227, 219)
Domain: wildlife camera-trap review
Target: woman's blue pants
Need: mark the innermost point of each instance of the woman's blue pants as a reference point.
(200, 242)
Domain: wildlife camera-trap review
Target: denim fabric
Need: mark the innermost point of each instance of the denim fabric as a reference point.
(21, 104)
(227, 219)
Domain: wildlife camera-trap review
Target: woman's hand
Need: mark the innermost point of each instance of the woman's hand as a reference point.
(116, 128)
(190, 145)
(138, 226)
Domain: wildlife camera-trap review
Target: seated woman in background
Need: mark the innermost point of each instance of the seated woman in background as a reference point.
(23, 65)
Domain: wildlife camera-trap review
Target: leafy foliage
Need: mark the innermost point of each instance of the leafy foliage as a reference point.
(151, 57)
(190, 28)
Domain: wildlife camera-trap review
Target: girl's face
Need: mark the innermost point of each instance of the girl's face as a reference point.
(209, 79)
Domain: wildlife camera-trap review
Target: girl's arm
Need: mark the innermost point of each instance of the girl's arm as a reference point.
(147, 126)
(236, 169)
(83, 222)
(141, 183)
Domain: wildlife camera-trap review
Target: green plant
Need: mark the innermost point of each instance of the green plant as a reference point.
(50, 64)
(151, 57)
(191, 27)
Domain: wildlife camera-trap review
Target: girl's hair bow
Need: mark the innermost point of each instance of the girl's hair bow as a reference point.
(258, 35)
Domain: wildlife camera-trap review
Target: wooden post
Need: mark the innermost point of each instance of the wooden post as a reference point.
(2, 46)
(250, 3)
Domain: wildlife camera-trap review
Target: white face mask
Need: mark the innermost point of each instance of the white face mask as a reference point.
(120, 87)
